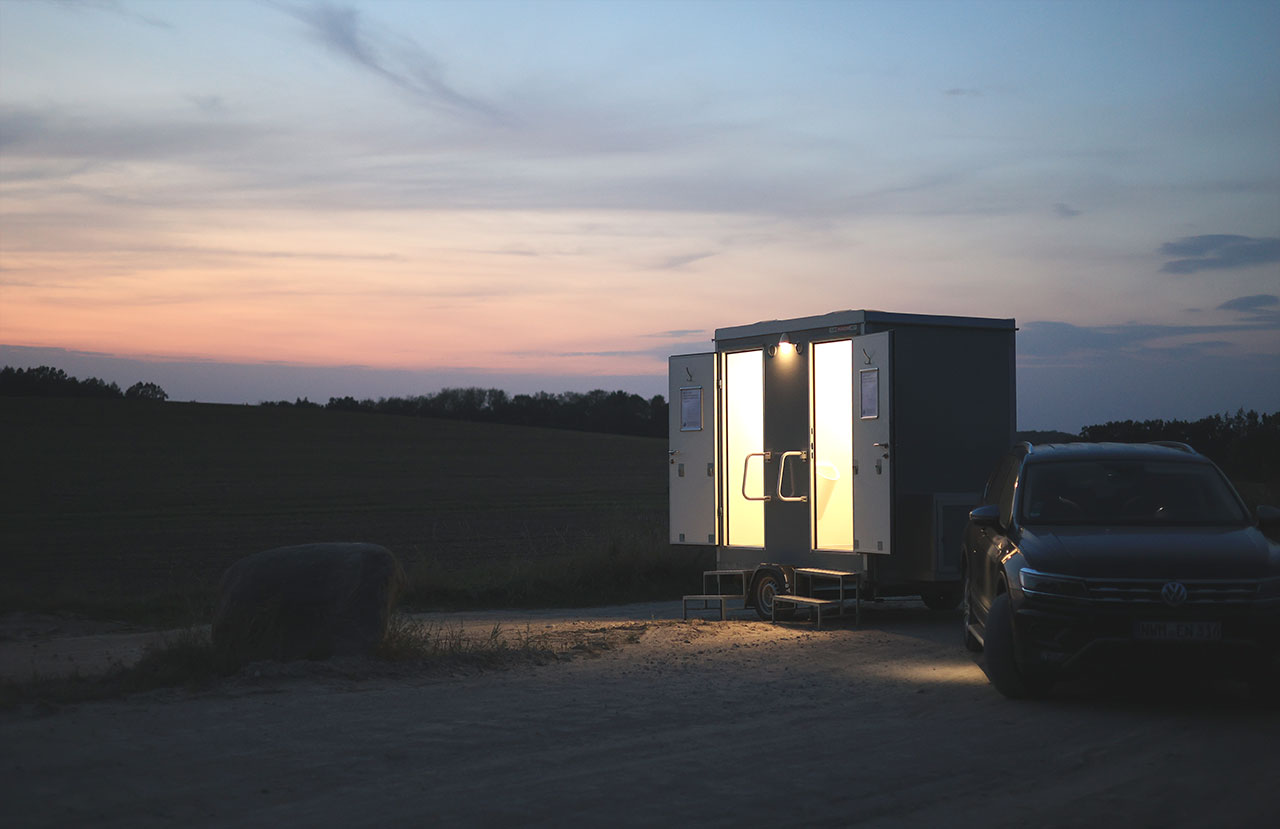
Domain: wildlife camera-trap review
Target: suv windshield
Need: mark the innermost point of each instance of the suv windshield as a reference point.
(1127, 492)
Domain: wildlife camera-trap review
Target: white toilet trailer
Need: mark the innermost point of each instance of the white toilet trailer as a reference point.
(849, 443)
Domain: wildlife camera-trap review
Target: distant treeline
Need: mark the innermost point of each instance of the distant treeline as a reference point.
(614, 412)
(1246, 445)
(46, 381)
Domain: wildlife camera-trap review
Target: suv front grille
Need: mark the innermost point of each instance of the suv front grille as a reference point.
(1147, 591)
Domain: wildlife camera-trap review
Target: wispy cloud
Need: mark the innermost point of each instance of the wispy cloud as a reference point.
(1262, 310)
(1254, 302)
(208, 104)
(114, 8)
(53, 133)
(1065, 211)
(400, 61)
(962, 92)
(677, 262)
(1219, 251)
(1052, 342)
(657, 353)
(678, 333)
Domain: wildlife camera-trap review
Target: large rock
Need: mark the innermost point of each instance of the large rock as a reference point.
(312, 601)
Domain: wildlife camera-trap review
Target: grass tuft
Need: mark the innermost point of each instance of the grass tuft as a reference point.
(186, 658)
(627, 561)
(410, 640)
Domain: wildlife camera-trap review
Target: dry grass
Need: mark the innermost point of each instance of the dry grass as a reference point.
(187, 659)
(183, 659)
(628, 560)
(431, 642)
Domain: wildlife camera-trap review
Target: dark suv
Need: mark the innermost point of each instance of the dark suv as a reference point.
(1088, 554)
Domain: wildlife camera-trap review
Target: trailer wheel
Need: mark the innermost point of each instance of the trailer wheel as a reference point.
(768, 584)
(946, 598)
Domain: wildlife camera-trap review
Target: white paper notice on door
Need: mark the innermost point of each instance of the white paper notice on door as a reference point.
(870, 393)
(691, 409)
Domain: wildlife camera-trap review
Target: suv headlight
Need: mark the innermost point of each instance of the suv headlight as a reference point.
(1044, 584)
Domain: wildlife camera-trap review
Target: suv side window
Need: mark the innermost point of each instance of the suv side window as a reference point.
(992, 490)
(1007, 484)
(1001, 481)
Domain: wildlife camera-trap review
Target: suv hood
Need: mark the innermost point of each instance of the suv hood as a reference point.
(1151, 552)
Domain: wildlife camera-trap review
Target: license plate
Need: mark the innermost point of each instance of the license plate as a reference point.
(1178, 631)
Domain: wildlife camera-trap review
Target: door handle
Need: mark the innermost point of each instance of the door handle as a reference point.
(782, 470)
(746, 462)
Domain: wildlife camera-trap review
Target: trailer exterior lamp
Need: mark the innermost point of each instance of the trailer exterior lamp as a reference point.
(784, 347)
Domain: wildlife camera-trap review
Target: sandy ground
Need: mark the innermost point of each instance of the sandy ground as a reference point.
(646, 720)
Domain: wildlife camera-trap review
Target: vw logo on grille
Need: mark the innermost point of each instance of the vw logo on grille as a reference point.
(1173, 593)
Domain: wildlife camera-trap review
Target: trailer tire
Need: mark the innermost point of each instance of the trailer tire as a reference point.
(767, 584)
(944, 598)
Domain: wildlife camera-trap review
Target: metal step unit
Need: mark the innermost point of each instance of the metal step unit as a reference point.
(832, 584)
(720, 586)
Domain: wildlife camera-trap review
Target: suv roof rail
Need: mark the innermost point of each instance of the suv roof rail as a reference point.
(1175, 444)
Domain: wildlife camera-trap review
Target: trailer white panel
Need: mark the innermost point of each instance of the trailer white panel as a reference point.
(691, 427)
(872, 448)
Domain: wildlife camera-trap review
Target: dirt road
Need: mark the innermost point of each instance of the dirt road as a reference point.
(708, 723)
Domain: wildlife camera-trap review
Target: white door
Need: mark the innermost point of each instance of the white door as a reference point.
(872, 451)
(691, 430)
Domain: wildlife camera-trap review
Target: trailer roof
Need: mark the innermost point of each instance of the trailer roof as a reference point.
(840, 318)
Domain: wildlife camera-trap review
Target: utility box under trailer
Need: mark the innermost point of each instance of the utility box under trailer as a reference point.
(848, 446)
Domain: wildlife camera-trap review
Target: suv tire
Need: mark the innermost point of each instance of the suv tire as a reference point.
(1010, 678)
(971, 643)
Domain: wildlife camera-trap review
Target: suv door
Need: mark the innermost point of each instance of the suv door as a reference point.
(983, 545)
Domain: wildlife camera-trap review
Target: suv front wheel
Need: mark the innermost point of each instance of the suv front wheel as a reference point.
(971, 642)
(1010, 678)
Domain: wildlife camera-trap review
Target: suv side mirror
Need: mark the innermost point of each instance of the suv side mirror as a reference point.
(987, 515)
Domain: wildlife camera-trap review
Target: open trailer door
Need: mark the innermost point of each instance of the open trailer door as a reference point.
(691, 431)
(872, 451)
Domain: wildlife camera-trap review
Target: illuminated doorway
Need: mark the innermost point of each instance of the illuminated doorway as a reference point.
(743, 429)
(833, 446)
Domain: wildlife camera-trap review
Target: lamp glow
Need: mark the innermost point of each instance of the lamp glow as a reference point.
(784, 346)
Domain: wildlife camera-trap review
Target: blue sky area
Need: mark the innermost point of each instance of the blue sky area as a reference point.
(267, 200)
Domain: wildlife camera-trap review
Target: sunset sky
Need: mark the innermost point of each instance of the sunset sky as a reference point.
(266, 200)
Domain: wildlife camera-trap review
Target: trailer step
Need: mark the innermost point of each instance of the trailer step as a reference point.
(816, 604)
(706, 600)
(817, 571)
(809, 579)
(720, 586)
(726, 582)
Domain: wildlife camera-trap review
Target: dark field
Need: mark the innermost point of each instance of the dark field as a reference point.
(134, 508)
(130, 509)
